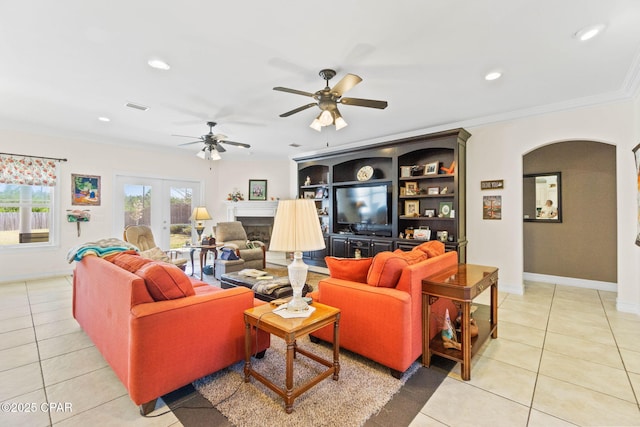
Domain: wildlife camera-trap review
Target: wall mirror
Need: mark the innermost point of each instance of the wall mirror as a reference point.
(542, 197)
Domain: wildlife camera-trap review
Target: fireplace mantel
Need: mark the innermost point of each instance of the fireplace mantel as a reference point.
(252, 208)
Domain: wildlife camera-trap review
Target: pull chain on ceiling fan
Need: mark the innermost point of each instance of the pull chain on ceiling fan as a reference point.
(328, 99)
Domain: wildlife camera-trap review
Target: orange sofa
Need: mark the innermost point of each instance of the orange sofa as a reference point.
(155, 347)
(383, 321)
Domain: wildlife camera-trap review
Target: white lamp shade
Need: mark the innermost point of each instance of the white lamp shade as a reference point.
(296, 227)
(200, 213)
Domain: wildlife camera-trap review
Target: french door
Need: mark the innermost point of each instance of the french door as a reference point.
(164, 205)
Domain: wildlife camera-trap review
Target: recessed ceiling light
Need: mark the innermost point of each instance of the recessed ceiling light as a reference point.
(158, 64)
(493, 75)
(104, 119)
(589, 32)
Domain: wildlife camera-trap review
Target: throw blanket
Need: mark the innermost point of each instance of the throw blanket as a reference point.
(268, 286)
(101, 248)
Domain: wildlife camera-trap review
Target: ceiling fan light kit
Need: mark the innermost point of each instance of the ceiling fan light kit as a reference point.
(328, 98)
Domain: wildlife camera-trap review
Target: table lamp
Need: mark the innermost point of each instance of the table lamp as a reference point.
(199, 215)
(296, 228)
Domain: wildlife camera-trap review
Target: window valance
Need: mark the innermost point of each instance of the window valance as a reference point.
(26, 170)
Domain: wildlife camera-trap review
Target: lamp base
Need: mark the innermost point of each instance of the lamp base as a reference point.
(297, 277)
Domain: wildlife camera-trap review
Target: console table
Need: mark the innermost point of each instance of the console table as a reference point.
(461, 284)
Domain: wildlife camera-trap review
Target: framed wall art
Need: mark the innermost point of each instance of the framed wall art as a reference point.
(636, 152)
(257, 189)
(85, 190)
(492, 207)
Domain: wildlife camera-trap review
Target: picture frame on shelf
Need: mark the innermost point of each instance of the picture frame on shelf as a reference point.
(433, 191)
(431, 168)
(319, 193)
(445, 209)
(429, 213)
(405, 171)
(85, 190)
(257, 189)
(411, 188)
(412, 208)
(308, 195)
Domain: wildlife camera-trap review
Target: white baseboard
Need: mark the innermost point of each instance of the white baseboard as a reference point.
(571, 281)
(35, 276)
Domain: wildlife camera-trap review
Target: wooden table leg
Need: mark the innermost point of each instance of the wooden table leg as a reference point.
(203, 254)
(494, 309)
(288, 398)
(247, 351)
(426, 329)
(192, 267)
(336, 349)
(466, 341)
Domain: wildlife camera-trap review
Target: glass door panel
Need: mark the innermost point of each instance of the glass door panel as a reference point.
(181, 205)
(163, 205)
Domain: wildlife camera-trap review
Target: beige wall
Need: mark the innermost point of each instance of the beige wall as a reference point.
(216, 180)
(583, 245)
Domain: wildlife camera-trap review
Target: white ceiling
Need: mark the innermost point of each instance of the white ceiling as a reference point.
(65, 63)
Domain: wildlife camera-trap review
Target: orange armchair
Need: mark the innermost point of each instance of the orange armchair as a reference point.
(383, 324)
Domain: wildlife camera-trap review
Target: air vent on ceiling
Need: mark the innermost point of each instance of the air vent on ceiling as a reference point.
(136, 106)
(293, 144)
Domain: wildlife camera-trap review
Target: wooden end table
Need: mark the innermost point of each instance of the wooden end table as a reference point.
(461, 283)
(263, 318)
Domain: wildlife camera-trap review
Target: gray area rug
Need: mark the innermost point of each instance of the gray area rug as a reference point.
(363, 389)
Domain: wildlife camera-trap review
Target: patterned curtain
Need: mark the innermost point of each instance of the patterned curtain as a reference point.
(24, 170)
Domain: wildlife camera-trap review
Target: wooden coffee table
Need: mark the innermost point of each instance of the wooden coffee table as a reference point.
(261, 317)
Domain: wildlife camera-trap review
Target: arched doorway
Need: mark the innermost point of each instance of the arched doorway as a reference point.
(584, 245)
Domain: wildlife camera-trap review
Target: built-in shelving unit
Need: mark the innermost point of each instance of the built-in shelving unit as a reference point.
(424, 179)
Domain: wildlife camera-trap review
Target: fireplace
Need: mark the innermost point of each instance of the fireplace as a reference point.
(256, 217)
(257, 228)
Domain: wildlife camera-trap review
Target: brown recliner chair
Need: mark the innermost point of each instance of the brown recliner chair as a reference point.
(232, 234)
(142, 237)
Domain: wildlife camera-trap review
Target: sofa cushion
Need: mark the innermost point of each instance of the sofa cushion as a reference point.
(354, 269)
(129, 260)
(432, 248)
(386, 269)
(165, 281)
(412, 257)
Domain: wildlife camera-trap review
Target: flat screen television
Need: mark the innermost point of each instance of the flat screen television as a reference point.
(365, 207)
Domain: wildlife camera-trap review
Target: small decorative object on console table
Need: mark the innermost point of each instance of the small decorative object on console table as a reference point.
(296, 229)
(199, 215)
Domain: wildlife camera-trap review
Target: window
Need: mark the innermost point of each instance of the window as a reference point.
(27, 190)
(25, 213)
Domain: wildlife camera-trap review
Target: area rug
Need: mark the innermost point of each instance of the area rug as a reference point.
(363, 389)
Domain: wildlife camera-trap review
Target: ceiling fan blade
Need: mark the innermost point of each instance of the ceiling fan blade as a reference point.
(297, 92)
(220, 148)
(189, 143)
(371, 103)
(237, 144)
(347, 82)
(186, 136)
(297, 110)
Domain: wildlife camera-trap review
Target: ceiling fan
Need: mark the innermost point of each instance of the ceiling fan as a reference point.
(328, 99)
(212, 142)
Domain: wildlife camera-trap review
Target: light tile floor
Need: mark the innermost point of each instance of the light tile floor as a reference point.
(564, 357)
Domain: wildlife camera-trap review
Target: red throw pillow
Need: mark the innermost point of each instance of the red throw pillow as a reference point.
(432, 248)
(165, 281)
(131, 262)
(386, 269)
(354, 269)
(412, 257)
